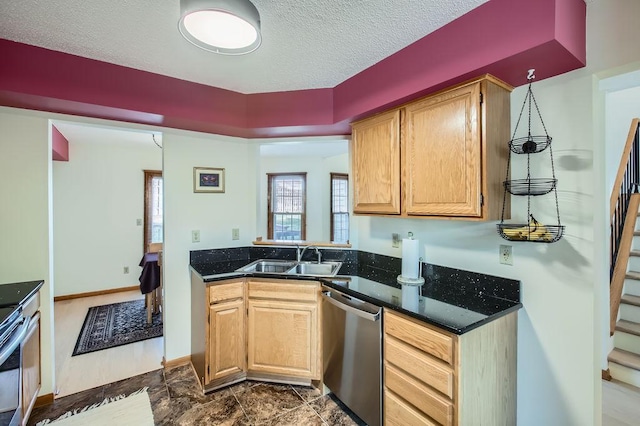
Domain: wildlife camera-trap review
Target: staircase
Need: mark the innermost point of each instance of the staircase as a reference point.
(624, 360)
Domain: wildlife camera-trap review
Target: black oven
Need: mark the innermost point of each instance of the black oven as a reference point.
(12, 333)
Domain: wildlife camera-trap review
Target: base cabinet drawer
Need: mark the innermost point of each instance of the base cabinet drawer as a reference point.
(431, 371)
(399, 413)
(436, 406)
(427, 340)
(222, 292)
(436, 377)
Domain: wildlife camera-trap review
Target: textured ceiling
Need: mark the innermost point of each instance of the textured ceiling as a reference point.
(306, 43)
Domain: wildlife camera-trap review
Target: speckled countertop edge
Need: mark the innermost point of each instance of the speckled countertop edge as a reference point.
(494, 302)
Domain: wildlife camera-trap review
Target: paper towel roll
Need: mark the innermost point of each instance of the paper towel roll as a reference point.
(410, 297)
(410, 248)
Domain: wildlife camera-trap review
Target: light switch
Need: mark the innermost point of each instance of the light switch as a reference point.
(235, 234)
(139, 222)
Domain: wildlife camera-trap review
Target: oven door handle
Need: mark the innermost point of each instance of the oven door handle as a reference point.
(14, 342)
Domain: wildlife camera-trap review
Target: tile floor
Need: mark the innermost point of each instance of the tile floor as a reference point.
(176, 399)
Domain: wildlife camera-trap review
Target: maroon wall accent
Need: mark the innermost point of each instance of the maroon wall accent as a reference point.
(59, 145)
(500, 37)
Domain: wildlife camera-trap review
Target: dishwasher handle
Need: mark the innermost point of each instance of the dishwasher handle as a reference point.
(345, 303)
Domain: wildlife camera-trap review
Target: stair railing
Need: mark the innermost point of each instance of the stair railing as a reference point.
(623, 210)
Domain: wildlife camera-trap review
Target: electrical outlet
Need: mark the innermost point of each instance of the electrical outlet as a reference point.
(235, 234)
(195, 236)
(506, 255)
(126, 269)
(395, 240)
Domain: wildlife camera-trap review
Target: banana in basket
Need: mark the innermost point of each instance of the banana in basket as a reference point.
(535, 231)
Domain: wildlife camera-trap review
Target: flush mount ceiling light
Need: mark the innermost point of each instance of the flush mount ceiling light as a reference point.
(228, 27)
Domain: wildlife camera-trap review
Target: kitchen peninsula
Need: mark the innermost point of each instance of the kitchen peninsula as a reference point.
(448, 359)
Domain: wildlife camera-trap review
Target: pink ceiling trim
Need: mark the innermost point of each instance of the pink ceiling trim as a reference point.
(59, 145)
(501, 37)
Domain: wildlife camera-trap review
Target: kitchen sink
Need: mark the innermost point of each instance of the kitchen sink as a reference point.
(324, 269)
(270, 266)
(289, 267)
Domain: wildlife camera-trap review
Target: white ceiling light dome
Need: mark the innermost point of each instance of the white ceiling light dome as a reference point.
(227, 27)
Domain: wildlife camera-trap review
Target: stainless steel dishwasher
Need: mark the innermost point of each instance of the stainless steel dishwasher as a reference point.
(352, 349)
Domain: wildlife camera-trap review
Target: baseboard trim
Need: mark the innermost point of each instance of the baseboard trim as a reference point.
(606, 375)
(95, 293)
(46, 399)
(176, 362)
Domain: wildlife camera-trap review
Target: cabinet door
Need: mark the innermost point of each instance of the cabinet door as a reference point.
(227, 354)
(375, 152)
(283, 338)
(442, 154)
(31, 367)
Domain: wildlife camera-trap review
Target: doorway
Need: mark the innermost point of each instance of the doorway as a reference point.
(99, 236)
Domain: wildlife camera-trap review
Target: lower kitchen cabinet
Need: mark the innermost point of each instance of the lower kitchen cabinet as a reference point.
(31, 376)
(283, 328)
(433, 377)
(218, 344)
(263, 329)
(227, 353)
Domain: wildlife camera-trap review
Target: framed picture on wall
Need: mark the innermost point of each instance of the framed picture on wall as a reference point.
(208, 179)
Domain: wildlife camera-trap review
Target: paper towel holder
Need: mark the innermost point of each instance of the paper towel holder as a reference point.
(413, 281)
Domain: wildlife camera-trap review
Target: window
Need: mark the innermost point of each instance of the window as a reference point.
(287, 201)
(339, 208)
(152, 207)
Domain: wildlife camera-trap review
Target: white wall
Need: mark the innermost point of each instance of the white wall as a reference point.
(318, 171)
(97, 197)
(25, 228)
(214, 215)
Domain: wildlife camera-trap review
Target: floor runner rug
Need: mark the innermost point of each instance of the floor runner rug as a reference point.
(133, 410)
(117, 324)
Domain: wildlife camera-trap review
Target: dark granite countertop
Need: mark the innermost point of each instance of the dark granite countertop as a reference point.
(455, 300)
(13, 295)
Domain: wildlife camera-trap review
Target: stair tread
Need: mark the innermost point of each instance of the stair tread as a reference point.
(630, 299)
(626, 358)
(634, 275)
(628, 327)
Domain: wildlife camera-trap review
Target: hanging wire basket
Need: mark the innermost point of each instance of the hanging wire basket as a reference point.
(533, 231)
(531, 186)
(537, 233)
(529, 144)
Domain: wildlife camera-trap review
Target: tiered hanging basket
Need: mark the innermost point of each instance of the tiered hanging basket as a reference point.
(533, 231)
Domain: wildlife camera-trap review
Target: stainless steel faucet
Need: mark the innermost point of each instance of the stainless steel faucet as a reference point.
(299, 253)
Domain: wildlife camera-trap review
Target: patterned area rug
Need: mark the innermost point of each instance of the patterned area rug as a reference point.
(117, 324)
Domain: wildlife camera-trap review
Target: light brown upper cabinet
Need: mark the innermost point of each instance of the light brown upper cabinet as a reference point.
(442, 156)
(375, 154)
